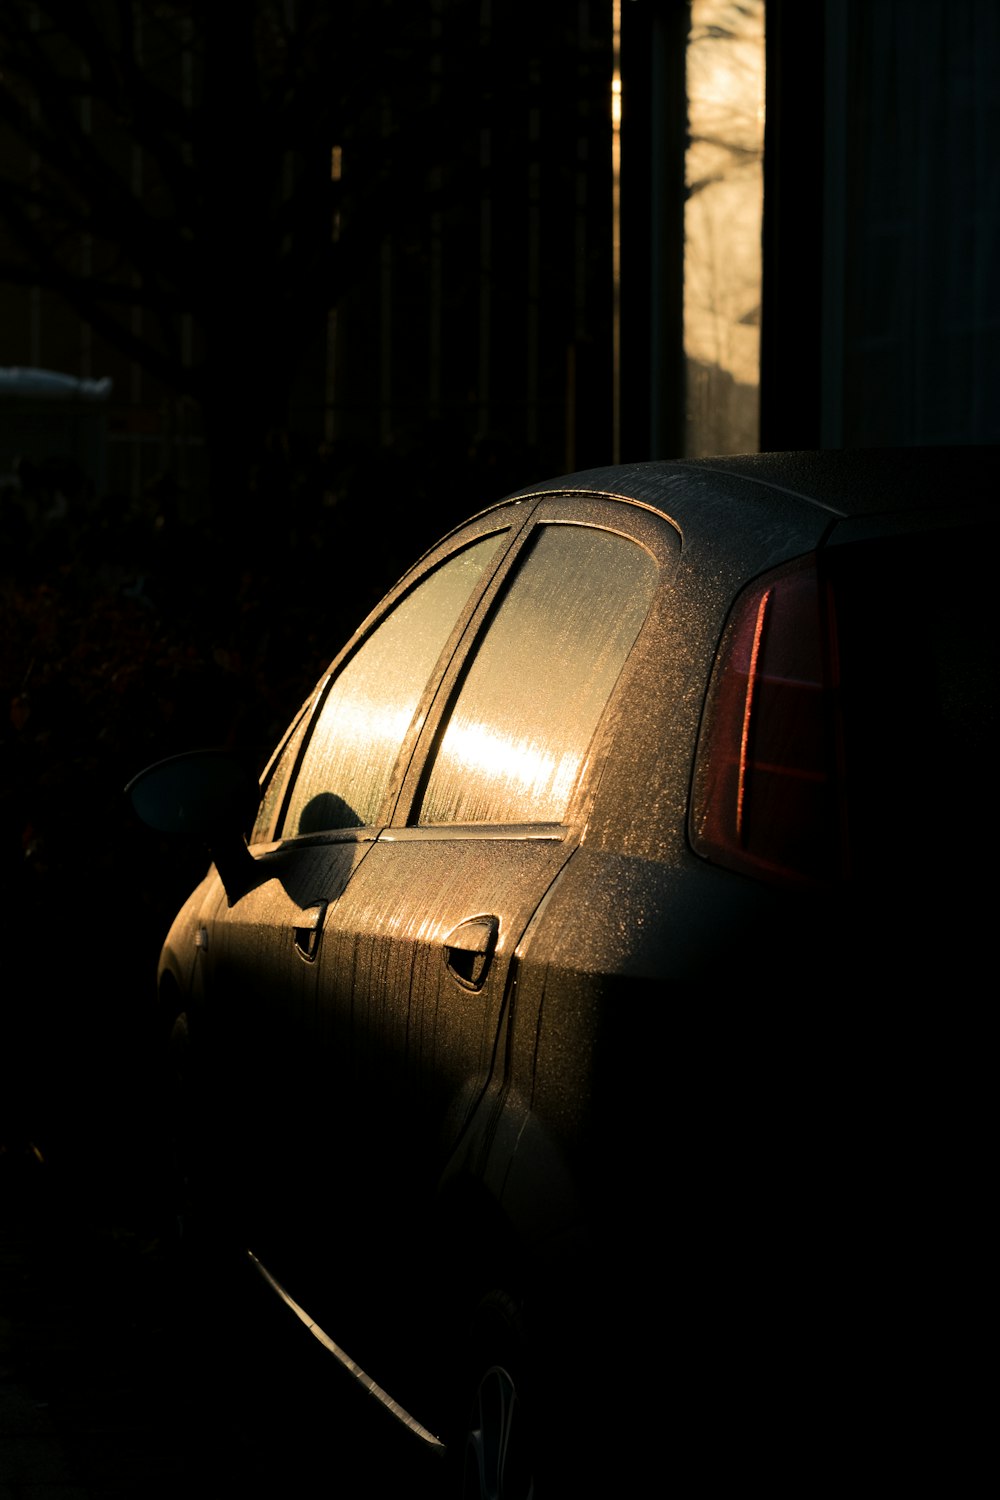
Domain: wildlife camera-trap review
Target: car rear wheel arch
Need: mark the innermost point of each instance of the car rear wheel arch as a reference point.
(493, 1448)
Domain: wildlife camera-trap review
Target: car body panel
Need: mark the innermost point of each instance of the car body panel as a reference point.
(532, 1053)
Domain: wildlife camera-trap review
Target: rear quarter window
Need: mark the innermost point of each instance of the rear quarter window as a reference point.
(515, 740)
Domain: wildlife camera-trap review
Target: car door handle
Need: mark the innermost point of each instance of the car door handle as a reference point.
(468, 951)
(308, 928)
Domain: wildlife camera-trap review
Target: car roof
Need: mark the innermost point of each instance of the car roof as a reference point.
(844, 482)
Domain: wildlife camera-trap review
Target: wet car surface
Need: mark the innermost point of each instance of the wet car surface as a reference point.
(512, 1040)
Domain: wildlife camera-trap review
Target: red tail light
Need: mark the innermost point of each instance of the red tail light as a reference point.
(767, 792)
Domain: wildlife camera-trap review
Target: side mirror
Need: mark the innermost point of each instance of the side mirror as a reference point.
(208, 795)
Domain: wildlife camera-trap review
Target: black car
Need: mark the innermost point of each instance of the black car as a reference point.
(542, 1020)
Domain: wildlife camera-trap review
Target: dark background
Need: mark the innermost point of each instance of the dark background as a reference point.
(180, 560)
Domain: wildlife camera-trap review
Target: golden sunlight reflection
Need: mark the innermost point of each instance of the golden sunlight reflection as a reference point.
(722, 225)
(354, 767)
(367, 726)
(526, 712)
(365, 716)
(539, 781)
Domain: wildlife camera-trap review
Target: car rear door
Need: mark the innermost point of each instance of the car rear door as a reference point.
(265, 1010)
(418, 957)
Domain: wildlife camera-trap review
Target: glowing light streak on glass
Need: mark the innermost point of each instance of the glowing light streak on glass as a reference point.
(528, 770)
(368, 709)
(520, 729)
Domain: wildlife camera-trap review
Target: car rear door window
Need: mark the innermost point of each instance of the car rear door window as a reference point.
(357, 736)
(517, 734)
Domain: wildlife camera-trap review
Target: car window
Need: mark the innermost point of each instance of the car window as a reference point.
(275, 784)
(348, 761)
(518, 733)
